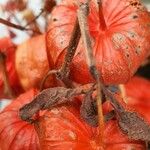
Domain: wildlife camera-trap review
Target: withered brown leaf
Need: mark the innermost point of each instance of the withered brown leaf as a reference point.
(134, 126)
(88, 110)
(131, 123)
(47, 99)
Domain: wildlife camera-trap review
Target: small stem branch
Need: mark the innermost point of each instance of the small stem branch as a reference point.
(82, 17)
(7, 87)
(28, 15)
(7, 23)
(34, 19)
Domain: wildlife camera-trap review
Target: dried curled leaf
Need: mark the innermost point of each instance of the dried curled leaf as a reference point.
(47, 99)
(88, 110)
(131, 123)
(134, 126)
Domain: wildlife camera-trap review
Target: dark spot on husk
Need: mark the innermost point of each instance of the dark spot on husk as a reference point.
(54, 19)
(127, 55)
(135, 16)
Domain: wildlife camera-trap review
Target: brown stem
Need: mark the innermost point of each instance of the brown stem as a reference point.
(71, 49)
(101, 16)
(7, 88)
(73, 43)
(7, 23)
(82, 17)
(63, 73)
